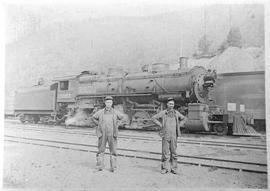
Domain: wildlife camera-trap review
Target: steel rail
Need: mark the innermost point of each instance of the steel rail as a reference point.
(183, 159)
(181, 140)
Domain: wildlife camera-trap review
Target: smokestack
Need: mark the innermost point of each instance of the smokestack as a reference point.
(183, 62)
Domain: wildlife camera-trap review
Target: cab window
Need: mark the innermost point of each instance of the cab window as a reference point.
(63, 85)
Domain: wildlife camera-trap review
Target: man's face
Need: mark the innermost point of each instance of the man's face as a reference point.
(108, 103)
(170, 104)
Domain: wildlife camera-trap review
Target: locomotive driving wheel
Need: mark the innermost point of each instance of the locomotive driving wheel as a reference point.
(221, 129)
(140, 119)
(22, 120)
(36, 119)
(141, 116)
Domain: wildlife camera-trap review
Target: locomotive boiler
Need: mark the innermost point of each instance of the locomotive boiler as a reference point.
(140, 95)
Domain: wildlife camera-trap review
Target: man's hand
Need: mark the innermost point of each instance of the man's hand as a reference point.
(94, 120)
(157, 122)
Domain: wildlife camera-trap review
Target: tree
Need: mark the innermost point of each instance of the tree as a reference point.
(224, 45)
(234, 37)
(204, 45)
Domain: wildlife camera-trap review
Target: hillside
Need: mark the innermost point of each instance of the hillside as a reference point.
(234, 59)
(95, 44)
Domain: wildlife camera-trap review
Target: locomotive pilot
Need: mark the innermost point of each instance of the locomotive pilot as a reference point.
(107, 120)
(171, 120)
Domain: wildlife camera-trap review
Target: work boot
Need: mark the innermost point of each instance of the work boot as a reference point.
(174, 171)
(164, 171)
(100, 162)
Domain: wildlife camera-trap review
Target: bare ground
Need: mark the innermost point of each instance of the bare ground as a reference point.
(42, 168)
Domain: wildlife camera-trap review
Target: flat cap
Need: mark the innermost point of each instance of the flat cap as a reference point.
(108, 98)
(170, 99)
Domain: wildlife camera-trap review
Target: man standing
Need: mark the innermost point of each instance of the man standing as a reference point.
(107, 121)
(170, 130)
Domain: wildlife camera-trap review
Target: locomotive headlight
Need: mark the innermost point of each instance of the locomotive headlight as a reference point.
(209, 81)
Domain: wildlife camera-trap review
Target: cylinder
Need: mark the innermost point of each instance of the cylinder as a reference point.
(194, 125)
(198, 124)
(197, 117)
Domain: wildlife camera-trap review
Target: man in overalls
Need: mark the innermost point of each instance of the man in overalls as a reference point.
(107, 120)
(170, 130)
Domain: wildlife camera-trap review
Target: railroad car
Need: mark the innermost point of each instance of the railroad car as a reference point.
(242, 92)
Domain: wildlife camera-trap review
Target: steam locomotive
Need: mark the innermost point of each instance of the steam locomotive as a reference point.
(74, 99)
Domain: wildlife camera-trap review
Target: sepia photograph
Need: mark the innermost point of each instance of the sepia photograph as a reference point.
(135, 95)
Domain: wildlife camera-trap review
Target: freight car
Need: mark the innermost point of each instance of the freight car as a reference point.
(242, 92)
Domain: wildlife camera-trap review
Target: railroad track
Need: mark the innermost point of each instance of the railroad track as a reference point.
(262, 137)
(151, 138)
(143, 154)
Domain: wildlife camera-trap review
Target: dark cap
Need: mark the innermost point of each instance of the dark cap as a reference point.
(170, 99)
(108, 98)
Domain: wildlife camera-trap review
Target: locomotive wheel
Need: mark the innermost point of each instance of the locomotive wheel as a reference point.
(140, 119)
(141, 115)
(221, 129)
(22, 120)
(60, 119)
(36, 119)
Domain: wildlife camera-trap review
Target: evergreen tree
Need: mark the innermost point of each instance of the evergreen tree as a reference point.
(234, 37)
(204, 45)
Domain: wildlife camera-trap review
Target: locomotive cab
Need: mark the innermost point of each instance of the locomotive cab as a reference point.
(66, 94)
(67, 88)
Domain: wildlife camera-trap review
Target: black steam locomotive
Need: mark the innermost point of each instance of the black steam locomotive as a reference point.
(73, 99)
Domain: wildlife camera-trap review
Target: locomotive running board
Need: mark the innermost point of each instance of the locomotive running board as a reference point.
(113, 95)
